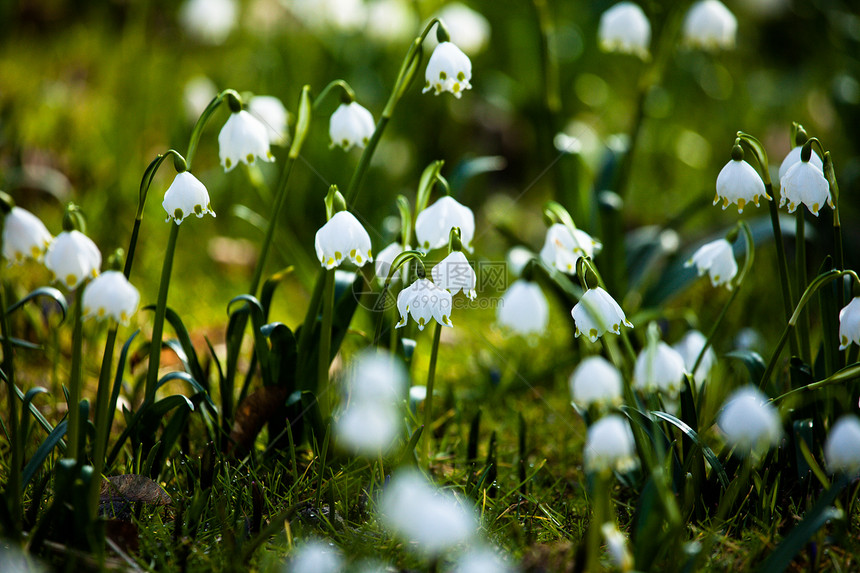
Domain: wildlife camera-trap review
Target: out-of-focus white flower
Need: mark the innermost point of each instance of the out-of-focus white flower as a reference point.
(468, 29)
(449, 70)
(316, 557)
(625, 28)
(610, 446)
(517, 258)
(376, 375)
(384, 260)
(738, 183)
(209, 21)
(424, 300)
(391, 21)
(24, 236)
(242, 139)
(562, 248)
(454, 273)
(481, 560)
(748, 421)
(433, 225)
(842, 449)
(659, 368)
(710, 25)
(110, 295)
(367, 428)
(849, 324)
(422, 514)
(273, 115)
(804, 183)
(616, 547)
(198, 92)
(351, 125)
(342, 237)
(329, 15)
(689, 348)
(73, 257)
(793, 157)
(595, 381)
(186, 196)
(596, 313)
(524, 309)
(718, 260)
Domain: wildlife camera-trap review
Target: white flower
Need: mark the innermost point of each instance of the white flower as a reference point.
(562, 248)
(449, 70)
(524, 309)
(625, 28)
(325, 16)
(454, 273)
(391, 21)
(384, 260)
(595, 381)
(738, 183)
(209, 21)
(351, 124)
(24, 236)
(610, 446)
(748, 421)
(367, 428)
(616, 547)
(517, 258)
(242, 139)
(73, 257)
(842, 449)
(341, 237)
(196, 95)
(433, 225)
(376, 375)
(110, 295)
(272, 114)
(596, 313)
(659, 368)
(424, 301)
(716, 258)
(186, 196)
(689, 348)
(794, 157)
(481, 560)
(316, 557)
(710, 25)
(804, 183)
(849, 324)
(422, 514)
(468, 29)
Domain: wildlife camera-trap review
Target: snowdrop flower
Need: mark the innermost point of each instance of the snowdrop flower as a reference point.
(659, 368)
(610, 446)
(517, 258)
(325, 15)
(794, 157)
(454, 273)
(424, 300)
(738, 183)
(391, 21)
(367, 428)
(748, 421)
(422, 514)
(689, 348)
(616, 547)
(842, 449)
(595, 381)
(242, 139)
(468, 29)
(625, 28)
(524, 309)
(73, 257)
(710, 25)
(316, 557)
(433, 225)
(196, 95)
(342, 237)
(449, 70)
(186, 196)
(597, 312)
(563, 247)
(384, 260)
(110, 295)
(804, 183)
(351, 125)
(481, 560)
(209, 21)
(376, 375)
(849, 324)
(272, 114)
(718, 260)
(24, 236)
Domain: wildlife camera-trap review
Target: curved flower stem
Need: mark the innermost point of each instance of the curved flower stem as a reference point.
(325, 333)
(160, 309)
(428, 401)
(12, 495)
(75, 379)
(347, 89)
(197, 131)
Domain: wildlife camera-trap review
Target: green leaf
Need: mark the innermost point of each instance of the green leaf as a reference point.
(49, 292)
(189, 360)
(268, 290)
(261, 347)
(694, 437)
(283, 356)
(42, 453)
(753, 361)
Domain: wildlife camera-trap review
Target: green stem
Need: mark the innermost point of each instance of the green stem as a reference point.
(101, 420)
(160, 309)
(428, 401)
(782, 263)
(76, 379)
(12, 494)
(325, 333)
(350, 94)
(800, 277)
(202, 121)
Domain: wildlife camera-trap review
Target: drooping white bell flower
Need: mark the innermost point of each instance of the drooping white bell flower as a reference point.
(481, 560)
(562, 248)
(384, 260)
(616, 547)
(351, 125)
(272, 114)
(449, 70)
(625, 28)
(595, 381)
(367, 427)
(186, 196)
(315, 556)
(842, 448)
(243, 139)
(659, 368)
(716, 258)
(793, 157)
(849, 324)
(517, 258)
(420, 513)
(524, 309)
(748, 422)
(24, 236)
(73, 257)
(376, 375)
(110, 295)
(710, 25)
(424, 300)
(433, 225)
(804, 183)
(610, 446)
(738, 183)
(596, 313)
(340, 238)
(469, 30)
(454, 273)
(689, 347)
(209, 21)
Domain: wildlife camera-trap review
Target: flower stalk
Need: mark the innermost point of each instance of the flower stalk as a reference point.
(76, 379)
(428, 401)
(160, 310)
